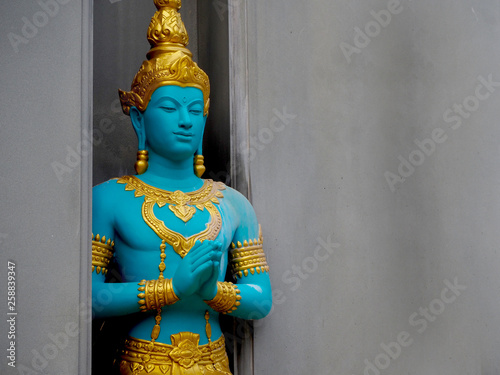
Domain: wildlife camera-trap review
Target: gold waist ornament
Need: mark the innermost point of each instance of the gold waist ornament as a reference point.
(183, 357)
(183, 205)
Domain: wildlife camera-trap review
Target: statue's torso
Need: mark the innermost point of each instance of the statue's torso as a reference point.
(142, 218)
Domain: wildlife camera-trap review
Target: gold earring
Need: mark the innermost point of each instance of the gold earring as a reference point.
(141, 165)
(199, 168)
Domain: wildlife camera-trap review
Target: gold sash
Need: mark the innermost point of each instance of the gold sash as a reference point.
(183, 357)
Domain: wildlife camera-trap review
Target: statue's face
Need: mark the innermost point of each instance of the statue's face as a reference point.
(174, 121)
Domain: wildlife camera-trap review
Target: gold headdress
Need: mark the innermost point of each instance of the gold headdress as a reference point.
(169, 61)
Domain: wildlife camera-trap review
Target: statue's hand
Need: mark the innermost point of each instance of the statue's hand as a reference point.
(209, 288)
(196, 268)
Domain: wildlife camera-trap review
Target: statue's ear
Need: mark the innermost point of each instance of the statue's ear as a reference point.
(137, 119)
(199, 151)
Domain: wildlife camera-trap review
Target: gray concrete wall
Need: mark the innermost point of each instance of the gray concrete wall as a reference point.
(327, 125)
(45, 62)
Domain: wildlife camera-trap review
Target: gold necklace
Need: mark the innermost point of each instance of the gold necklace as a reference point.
(183, 205)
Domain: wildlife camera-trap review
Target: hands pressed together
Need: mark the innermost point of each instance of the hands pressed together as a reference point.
(198, 271)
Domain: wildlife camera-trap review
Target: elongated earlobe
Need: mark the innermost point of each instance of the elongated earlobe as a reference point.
(136, 117)
(198, 161)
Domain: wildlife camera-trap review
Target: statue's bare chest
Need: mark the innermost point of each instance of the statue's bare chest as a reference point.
(149, 215)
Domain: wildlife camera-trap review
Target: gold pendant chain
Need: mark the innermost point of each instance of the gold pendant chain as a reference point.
(156, 329)
(162, 265)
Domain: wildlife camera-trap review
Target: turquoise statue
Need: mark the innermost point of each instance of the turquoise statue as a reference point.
(171, 234)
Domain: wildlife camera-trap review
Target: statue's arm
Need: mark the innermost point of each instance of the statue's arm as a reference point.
(108, 298)
(254, 287)
(248, 265)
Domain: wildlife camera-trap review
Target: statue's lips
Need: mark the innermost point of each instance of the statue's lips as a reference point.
(184, 135)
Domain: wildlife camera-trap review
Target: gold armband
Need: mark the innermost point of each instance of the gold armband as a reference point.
(154, 294)
(102, 252)
(248, 257)
(227, 298)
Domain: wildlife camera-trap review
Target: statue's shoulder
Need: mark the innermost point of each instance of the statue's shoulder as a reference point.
(108, 187)
(241, 207)
(106, 200)
(234, 196)
(110, 192)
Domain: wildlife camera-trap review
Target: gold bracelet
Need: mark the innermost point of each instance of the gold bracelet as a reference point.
(102, 253)
(248, 257)
(154, 294)
(227, 298)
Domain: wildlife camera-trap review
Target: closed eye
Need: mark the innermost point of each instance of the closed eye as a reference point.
(169, 108)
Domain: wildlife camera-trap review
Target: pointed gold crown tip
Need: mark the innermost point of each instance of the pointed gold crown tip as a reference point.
(176, 4)
(169, 61)
(167, 29)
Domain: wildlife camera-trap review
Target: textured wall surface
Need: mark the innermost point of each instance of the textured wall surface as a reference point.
(44, 84)
(342, 95)
(373, 157)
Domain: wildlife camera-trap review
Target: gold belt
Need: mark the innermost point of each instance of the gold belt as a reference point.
(183, 357)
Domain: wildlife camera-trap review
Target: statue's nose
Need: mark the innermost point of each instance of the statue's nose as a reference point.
(185, 119)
